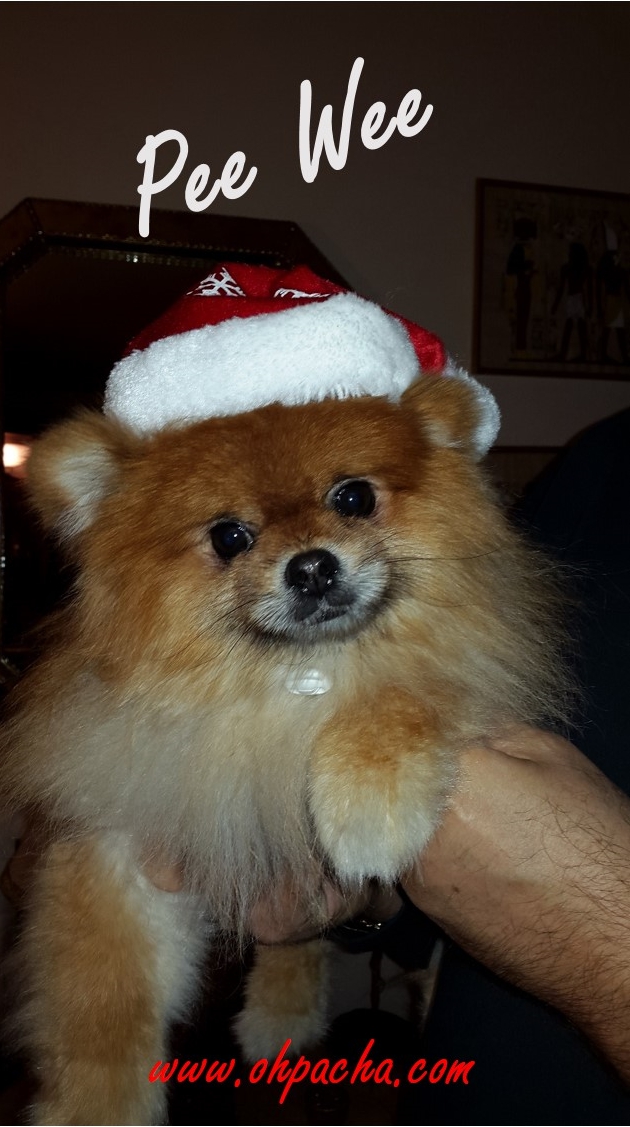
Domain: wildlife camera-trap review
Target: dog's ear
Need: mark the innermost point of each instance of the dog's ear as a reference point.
(73, 467)
(455, 410)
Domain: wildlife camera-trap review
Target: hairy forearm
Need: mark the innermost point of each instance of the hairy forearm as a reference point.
(530, 872)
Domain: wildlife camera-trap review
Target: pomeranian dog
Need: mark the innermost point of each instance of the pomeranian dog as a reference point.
(296, 599)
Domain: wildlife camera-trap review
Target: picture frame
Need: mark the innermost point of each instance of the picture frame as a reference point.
(552, 292)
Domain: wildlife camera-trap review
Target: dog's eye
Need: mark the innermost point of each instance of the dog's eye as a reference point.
(230, 538)
(354, 499)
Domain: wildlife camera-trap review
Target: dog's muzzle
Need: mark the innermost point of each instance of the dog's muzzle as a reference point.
(314, 579)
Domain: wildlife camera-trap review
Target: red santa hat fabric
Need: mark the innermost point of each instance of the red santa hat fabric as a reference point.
(247, 336)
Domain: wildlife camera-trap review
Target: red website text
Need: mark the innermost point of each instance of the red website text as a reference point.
(287, 1072)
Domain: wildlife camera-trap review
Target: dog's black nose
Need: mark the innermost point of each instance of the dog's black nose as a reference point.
(313, 573)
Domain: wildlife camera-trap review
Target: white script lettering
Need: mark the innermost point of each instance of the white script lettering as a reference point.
(233, 169)
(372, 122)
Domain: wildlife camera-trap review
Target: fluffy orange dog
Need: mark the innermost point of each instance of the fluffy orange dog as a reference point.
(296, 600)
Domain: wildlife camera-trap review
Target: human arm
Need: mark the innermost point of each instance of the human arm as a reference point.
(530, 873)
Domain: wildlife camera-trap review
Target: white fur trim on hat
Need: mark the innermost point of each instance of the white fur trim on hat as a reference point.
(342, 347)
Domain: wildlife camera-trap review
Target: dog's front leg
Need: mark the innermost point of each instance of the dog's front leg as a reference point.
(380, 775)
(285, 997)
(107, 960)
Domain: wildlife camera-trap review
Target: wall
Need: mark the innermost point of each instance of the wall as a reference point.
(522, 91)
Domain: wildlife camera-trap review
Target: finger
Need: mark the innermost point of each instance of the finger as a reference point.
(168, 878)
(520, 741)
(334, 903)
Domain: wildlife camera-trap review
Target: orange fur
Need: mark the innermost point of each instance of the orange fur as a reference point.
(285, 997)
(82, 937)
(163, 716)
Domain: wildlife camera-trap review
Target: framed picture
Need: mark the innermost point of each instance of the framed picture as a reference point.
(552, 282)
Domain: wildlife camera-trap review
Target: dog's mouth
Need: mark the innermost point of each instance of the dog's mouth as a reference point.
(320, 598)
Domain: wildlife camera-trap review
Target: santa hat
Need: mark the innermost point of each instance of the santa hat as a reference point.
(248, 336)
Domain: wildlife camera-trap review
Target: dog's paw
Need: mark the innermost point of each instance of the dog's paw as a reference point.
(261, 1033)
(371, 829)
(285, 999)
(378, 788)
